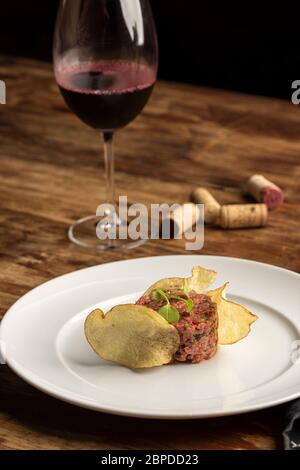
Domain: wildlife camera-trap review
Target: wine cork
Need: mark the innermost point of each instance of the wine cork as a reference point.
(212, 208)
(182, 219)
(243, 216)
(265, 191)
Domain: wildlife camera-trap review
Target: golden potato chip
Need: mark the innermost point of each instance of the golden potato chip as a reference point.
(234, 319)
(132, 335)
(201, 279)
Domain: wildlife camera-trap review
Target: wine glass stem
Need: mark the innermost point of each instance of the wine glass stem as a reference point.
(109, 166)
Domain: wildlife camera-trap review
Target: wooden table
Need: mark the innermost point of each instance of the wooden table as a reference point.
(51, 174)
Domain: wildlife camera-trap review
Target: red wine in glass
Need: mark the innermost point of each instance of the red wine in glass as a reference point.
(105, 64)
(107, 95)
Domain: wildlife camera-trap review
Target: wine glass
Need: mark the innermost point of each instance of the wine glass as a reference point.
(105, 64)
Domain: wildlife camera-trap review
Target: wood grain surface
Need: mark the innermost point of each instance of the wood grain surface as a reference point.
(51, 173)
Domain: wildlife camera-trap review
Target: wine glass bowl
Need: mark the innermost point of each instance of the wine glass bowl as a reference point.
(105, 64)
(107, 95)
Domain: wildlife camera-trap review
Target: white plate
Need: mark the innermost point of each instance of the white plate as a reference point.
(42, 340)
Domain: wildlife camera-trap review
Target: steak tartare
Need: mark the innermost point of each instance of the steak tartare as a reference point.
(197, 327)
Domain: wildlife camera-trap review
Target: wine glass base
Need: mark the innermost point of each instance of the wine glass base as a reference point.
(83, 233)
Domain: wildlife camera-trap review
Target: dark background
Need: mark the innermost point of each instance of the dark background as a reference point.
(242, 46)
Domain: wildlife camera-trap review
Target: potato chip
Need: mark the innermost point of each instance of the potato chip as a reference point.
(132, 335)
(201, 279)
(234, 319)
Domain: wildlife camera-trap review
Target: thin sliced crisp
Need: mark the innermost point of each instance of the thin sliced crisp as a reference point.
(200, 280)
(132, 335)
(234, 319)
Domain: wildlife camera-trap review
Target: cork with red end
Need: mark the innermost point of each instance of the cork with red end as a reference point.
(264, 191)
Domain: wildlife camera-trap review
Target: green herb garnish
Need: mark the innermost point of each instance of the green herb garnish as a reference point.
(190, 305)
(159, 294)
(186, 287)
(168, 311)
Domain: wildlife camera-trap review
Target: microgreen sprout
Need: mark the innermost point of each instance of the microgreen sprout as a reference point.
(168, 311)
